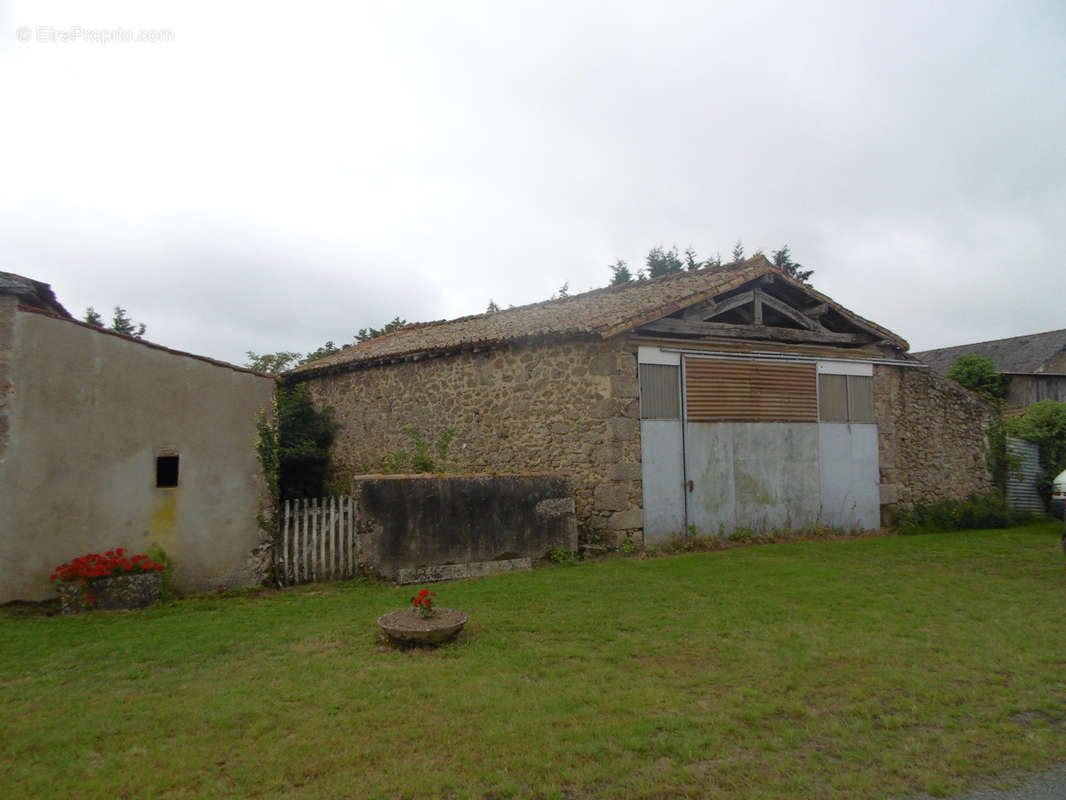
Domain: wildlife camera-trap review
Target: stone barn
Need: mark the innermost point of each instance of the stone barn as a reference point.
(705, 401)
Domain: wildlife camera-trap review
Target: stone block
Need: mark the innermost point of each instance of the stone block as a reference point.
(623, 388)
(609, 454)
(622, 429)
(611, 496)
(454, 572)
(555, 507)
(625, 472)
(604, 364)
(889, 494)
(603, 408)
(626, 520)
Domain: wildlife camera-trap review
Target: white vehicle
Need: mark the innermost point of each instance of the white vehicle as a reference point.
(1058, 494)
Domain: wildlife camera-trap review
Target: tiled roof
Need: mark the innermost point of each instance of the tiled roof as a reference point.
(601, 312)
(1017, 354)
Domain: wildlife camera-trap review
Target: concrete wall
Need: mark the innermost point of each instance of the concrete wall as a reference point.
(411, 525)
(88, 413)
(933, 437)
(566, 407)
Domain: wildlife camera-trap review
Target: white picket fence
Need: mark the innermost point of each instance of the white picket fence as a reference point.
(317, 541)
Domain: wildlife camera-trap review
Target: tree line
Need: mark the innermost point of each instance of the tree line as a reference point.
(660, 261)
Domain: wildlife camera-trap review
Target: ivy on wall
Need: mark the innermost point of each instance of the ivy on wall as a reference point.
(294, 445)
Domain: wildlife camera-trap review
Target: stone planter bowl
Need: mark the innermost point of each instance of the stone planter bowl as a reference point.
(406, 627)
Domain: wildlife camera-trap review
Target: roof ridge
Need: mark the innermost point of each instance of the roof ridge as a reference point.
(599, 313)
(993, 341)
(144, 342)
(614, 288)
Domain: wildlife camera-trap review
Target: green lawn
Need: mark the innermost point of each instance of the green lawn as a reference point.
(861, 668)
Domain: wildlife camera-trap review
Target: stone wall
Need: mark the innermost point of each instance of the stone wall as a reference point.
(933, 437)
(562, 406)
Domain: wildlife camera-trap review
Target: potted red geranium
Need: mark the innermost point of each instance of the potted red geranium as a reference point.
(109, 581)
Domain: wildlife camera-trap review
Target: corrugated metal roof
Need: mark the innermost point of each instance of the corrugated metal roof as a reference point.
(602, 312)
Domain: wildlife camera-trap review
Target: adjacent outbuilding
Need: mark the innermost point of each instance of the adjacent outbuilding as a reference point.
(109, 441)
(1035, 364)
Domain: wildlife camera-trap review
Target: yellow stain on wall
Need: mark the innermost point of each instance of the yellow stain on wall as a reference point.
(164, 528)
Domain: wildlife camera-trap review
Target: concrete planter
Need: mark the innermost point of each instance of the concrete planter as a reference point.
(115, 593)
(406, 627)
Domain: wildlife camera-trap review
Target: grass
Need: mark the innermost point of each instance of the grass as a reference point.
(830, 669)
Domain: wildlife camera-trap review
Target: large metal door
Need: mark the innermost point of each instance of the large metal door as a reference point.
(661, 446)
(851, 494)
(664, 496)
(749, 450)
(762, 476)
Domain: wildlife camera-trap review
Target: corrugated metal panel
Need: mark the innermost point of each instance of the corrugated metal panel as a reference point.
(660, 392)
(750, 391)
(1021, 485)
(860, 399)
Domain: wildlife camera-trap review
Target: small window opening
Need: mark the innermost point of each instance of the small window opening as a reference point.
(166, 471)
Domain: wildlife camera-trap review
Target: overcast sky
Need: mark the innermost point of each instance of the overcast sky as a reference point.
(276, 176)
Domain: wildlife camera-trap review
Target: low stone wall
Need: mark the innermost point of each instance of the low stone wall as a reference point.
(933, 438)
(416, 528)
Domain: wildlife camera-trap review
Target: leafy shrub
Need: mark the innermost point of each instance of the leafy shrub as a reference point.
(294, 449)
(975, 512)
(560, 556)
(978, 374)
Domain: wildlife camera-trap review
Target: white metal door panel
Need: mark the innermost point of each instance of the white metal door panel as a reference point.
(664, 492)
(711, 502)
(757, 475)
(851, 476)
(776, 474)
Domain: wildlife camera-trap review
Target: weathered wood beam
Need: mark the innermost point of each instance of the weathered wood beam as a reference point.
(786, 310)
(815, 311)
(674, 327)
(741, 299)
(699, 312)
(757, 307)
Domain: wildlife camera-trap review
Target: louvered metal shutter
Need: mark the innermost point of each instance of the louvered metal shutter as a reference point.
(660, 391)
(750, 391)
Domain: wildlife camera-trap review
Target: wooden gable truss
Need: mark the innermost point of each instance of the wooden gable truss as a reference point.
(768, 309)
